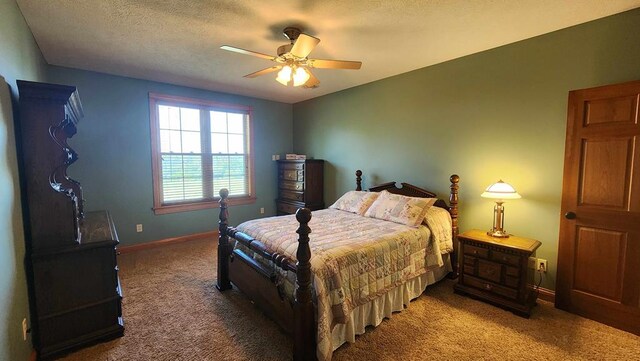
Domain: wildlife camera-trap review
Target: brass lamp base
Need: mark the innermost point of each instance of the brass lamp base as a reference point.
(498, 233)
(498, 221)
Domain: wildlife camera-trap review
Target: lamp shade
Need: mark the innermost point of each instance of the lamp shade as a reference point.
(284, 75)
(300, 76)
(500, 190)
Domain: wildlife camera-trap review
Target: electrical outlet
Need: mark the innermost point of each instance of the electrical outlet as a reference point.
(541, 265)
(273, 157)
(261, 210)
(138, 228)
(25, 329)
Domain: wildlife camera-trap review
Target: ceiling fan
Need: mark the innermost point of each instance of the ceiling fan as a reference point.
(293, 63)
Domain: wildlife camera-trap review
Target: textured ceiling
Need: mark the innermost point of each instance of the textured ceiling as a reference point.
(179, 41)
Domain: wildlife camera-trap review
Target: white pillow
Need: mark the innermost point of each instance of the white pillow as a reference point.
(355, 201)
(396, 208)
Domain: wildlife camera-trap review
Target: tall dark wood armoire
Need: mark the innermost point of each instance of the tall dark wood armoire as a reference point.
(74, 291)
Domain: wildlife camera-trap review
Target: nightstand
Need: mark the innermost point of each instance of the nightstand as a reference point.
(496, 270)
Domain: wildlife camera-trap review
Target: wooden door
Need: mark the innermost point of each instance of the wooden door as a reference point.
(599, 249)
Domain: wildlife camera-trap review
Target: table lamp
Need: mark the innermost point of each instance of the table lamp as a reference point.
(499, 191)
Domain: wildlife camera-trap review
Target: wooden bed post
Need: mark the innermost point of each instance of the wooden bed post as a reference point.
(224, 248)
(358, 180)
(453, 210)
(304, 346)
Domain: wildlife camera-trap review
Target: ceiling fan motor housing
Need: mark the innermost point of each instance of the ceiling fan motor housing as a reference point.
(291, 33)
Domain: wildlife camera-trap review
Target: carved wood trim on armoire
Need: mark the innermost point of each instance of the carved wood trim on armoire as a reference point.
(74, 290)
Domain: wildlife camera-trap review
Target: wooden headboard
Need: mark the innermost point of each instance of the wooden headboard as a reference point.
(407, 189)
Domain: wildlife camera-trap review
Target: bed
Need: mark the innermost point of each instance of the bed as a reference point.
(364, 268)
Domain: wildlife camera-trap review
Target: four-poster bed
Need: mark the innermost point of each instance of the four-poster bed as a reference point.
(257, 267)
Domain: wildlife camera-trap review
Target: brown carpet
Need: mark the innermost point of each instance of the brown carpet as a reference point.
(172, 311)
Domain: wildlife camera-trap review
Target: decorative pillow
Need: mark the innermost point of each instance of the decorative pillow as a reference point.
(409, 211)
(355, 201)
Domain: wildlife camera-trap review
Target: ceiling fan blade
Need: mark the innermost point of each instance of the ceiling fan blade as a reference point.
(334, 64)
(247, 52)
(304, 45)
(264, 71)
(313, 82)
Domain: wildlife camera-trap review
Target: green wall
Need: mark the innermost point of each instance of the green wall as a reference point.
(114, 166)
(20, 58)
(496, 114)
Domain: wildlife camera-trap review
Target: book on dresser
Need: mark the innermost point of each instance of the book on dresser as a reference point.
(300, 185)
(72, 273)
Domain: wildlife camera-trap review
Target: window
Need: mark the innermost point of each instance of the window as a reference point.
(198, 148)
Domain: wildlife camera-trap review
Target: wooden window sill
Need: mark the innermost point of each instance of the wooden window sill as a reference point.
(186, 207)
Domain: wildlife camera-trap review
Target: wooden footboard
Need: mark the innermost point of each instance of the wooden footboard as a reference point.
(258, 282)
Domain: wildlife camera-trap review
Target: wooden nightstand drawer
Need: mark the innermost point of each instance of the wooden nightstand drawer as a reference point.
(489, 271)
(512, 281)
(469, 269)
(470, 260)
(505, 258)
(490, 287)
(512, 271)
(476, 251)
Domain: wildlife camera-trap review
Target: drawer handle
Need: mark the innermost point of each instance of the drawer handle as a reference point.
(475, 252)
(504, 258)
(488, 287)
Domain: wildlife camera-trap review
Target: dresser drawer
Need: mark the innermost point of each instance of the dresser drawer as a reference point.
(490, 287)
(298, 166)
(476, 251)
(286, 208)
(290, 185)
(489, 271)
(294, 196)
(505, 258)
(292, 174)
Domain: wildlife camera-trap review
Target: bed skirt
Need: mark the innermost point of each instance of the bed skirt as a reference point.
(372, 313)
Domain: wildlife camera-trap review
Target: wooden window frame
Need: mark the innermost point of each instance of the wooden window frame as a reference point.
(159, 207)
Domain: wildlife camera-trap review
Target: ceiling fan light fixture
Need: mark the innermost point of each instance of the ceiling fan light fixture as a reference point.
(300, 76)
(284, 75)
(294, 65)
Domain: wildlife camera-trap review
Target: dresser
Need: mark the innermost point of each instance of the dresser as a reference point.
(74, 290)
(300, 185)
(496, 270)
